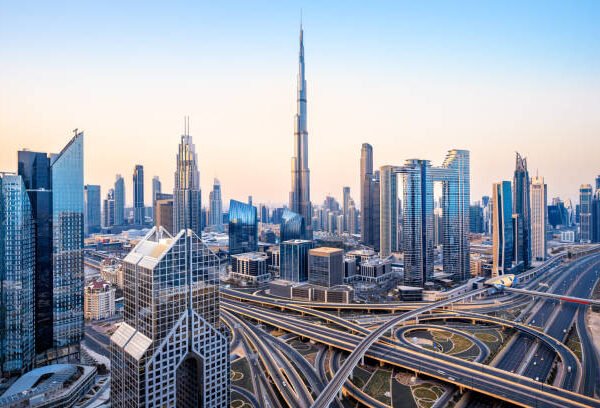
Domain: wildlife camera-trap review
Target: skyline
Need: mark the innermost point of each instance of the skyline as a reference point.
(543, 88)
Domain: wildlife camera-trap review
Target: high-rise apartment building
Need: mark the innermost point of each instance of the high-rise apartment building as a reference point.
(163, 211)
(415, 216)
(294, 260)
(369, 198)
(539, 211)
(92, 213)
(17, 278)
(169, 350)
(108, 209)
(300, 193)
(502, 229)
(243, 228)
(216, 207)
(54, 185)
(596, 216)
(186, 194)
(585, 213)
(522, 207)
(138, 195)
(119, 197)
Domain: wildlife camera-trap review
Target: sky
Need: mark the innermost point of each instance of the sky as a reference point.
(413, 79)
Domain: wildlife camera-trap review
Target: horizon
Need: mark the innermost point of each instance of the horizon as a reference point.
(449, 80)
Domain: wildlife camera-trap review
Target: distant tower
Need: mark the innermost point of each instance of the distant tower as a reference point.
(92, 211)
(119, 200)
(138, 194)
(216, 207)
(502, 229)
(346, 206)
(156, 188)
(369, 198)
(539, 209)
(300, 194)
(187, 194)
(585, 212)
(522, 207)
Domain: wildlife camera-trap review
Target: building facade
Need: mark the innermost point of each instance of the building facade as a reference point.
(522, 207)
(216, 207)
(92, 214)
(119, 196)
(502, 229)
(186, 193)
(243, 228)
(300, 192)
(156, 188)
(99, 300)
(163, 213)
(292, 226)
(138, 195)
(326, 266)
(17, 278)
(585, 213)
(169, 350)
(294, 260)
(539, 218)
(369, 198)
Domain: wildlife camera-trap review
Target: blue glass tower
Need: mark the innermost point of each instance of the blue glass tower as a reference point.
(503, 233)
(292, 226)
(243, 228)
(294, 260)
(17, 277)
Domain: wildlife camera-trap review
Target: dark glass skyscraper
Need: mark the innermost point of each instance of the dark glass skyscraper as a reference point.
(92, 209)
(522, 207)
(300, 194)
(292, 226)
(216, 207)
(502, 229)
(294, 260)
(138, 194)
(585, 213)
(369, 198)
(55, 188)
(243, 228)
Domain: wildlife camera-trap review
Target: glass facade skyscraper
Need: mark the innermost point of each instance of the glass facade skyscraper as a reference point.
(294, 260)
(292, 226)
(187, 202)
(92, 213)
(410, 227)
(17, 278)
(138, 195)
(585, 213)
(54, 185)
(369, 199)
(539, 219)
(522, 208)
(502, 229)
(169, 351)
(119, 197)
(243, 228)
(216, 207)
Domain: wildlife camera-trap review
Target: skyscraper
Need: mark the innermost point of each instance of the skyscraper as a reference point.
(369, 198)
(17, 278)
(346, 205)
(539, 210)
(585, 213)
(415, 216)
(294, 260)
(108, 209)
(119, 196)
(186, 194)
(92, 217)
(216, 207)
(502, 230)
(292, 226)
(596, 216)
(156, 188)
(138, 194)
(243, 228)
(169, 350)
(54, 185)
(300, 194)
(522, 207)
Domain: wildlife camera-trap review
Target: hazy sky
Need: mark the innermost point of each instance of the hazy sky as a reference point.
(414, 79)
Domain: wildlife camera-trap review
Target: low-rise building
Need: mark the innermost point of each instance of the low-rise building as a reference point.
(99, 300)
(250, 267)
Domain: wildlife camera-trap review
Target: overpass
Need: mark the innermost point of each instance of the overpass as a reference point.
(562, 298)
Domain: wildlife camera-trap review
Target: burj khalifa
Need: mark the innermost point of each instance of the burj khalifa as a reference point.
(300, 194)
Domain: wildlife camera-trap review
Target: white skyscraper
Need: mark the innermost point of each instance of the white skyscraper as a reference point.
(539, 211)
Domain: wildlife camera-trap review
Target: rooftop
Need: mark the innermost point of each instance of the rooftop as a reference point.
(325, 251)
